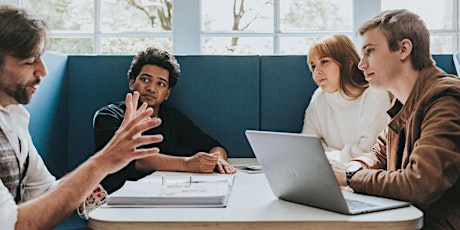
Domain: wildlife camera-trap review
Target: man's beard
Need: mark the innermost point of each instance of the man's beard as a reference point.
(20, 94)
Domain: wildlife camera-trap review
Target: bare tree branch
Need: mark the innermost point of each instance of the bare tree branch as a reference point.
(165, 17)
(140, 7)
(255, 17)
(164, 13)
(237, 16)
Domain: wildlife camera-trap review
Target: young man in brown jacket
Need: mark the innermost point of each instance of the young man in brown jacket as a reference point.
(417, 157)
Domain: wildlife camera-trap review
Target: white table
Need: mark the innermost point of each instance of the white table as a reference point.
(252, 205)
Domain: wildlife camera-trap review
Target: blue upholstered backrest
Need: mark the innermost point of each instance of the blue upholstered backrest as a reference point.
(445, 62)
(221, 95)
(286, 89)
(94, 81)
(48, 110)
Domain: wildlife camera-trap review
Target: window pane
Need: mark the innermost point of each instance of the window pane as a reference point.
(297, 45)
(72, 45)
(441, 44)
(217, 15)
(437, 15)
(457, 45)
(237, 45)
(144, 15)
(64, 14)
(118, 45)
(316, 15)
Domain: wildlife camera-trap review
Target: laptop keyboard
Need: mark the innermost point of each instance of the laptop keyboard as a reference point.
(355, 204)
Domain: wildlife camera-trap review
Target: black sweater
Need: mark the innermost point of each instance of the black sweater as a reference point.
(181, 137)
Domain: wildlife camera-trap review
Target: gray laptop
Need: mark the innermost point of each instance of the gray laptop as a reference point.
(298, 171)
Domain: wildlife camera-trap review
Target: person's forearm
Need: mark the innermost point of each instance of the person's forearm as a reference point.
(49, 210)
(162, 162)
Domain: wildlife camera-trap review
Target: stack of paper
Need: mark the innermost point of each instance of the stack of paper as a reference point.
(190, 192)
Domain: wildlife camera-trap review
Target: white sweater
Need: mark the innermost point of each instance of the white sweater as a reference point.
(347, 128)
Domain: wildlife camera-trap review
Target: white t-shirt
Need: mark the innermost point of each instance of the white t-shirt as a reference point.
(14, 122)
(348, 128)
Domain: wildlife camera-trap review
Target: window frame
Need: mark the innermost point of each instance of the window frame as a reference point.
(187, 34)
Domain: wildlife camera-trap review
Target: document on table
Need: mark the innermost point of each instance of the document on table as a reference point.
(173, 192)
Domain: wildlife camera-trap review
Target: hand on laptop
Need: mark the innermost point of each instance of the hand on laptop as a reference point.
(339, 171)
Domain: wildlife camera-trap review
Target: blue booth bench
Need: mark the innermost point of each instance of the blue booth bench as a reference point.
(224, 95)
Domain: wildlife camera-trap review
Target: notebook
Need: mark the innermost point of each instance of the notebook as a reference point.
(174, 191)
(297, 170)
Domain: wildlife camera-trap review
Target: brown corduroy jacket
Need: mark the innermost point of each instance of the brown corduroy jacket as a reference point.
(428, 169)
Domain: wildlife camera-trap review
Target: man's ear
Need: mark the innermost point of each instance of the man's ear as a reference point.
(168, 93)
(131, 84)
(405, 48)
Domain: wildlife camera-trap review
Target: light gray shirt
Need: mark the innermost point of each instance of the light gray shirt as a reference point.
(14, 121)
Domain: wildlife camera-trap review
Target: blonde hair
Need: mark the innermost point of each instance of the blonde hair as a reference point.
(344, 53)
